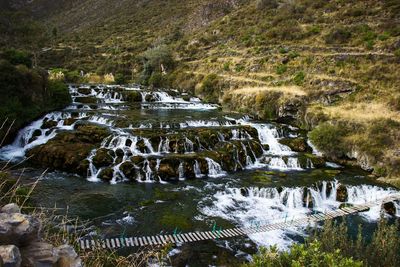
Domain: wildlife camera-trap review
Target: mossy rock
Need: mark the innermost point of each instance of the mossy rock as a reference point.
(332, 172)
(102, 158)
(91, 133)
(389, 208)
(47, 124)
(129, 170)
(341, 193)
(261, 178)
(172, 221)
(86, 100)
(298, 144)
(69, 150)
(106, 174)
(134, 96)
(168, 169)
(318, 162)
(84, 91)
(69, 121)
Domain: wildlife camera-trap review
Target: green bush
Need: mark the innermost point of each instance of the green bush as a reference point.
(72, 76)
(210, 88)
(281, 69)
(329, 138)
(334, 246)
(310, 254)
(298, 79)
(59, 96)
(17, 57)
(156, 79)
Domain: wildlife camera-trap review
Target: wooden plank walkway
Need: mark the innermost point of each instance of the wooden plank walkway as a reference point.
(123, 242)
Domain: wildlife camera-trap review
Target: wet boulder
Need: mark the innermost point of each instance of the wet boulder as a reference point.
(134, 96)
(389, 208)
(129, 170)
(168, 169)
(341, 193)
(317, 162)
(106, 174)
(296, 144)
(307, 198)
(102, 158)
(84, 91)
(69, 121)
(86, 100)
(10, 208)
(49, 124)
(150, 98)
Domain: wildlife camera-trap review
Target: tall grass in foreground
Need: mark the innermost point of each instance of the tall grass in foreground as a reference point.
(332, 246)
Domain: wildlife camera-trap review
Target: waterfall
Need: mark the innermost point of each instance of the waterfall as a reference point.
(163, 147)
(214, 169)
(196, 169)
(253, 205)
(189, 147)
(181, 172)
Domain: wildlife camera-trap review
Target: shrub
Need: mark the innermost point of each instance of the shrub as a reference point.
(156, 79)
(281, 69)
(329, 138)
(58, 94)
(310, 254)
(298, 79)
(226, 66)
(17, 57)
(338, 36)
(210, 88)
(334, 246)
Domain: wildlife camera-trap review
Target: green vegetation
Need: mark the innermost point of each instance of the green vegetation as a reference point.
(332, 246)
(210, 88)
(156, 62)
(329, 138)
(26, 93)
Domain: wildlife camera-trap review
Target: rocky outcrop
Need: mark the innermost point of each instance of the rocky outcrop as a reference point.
(21, 243)
(68, 150)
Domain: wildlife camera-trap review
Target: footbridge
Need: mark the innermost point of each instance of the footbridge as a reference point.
(156, 240)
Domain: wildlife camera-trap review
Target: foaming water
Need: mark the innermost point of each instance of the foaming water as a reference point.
(249, 207)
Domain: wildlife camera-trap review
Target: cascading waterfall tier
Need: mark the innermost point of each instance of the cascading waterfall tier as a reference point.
(151, 146)
(248, 207)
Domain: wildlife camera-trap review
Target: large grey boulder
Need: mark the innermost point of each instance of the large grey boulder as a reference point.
(10, 256)
(18, 229)
(10, 208)
(44, 254)
(68, 257)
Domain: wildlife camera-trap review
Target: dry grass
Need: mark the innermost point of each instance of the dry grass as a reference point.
(288, 90)
(361, 112)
